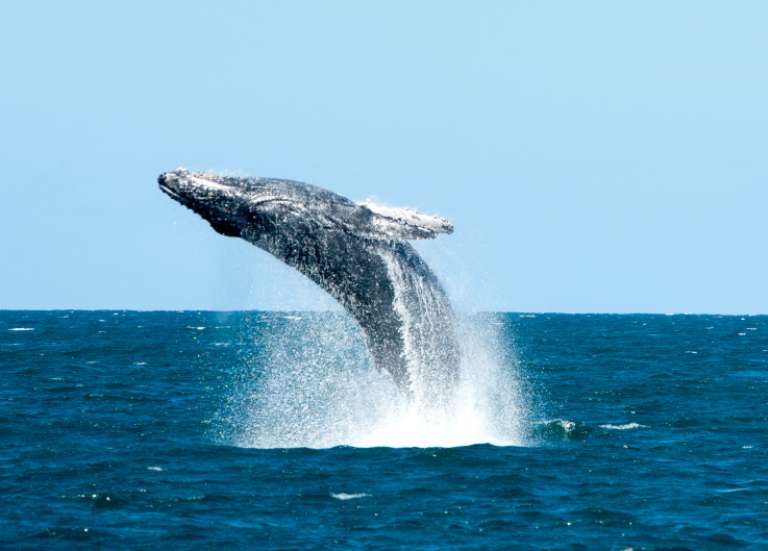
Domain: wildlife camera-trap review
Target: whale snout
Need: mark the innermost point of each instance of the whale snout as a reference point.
(167, 179)
(170, 184)
(174, 181)
(164, 181)
(174, 178)
(183, 182)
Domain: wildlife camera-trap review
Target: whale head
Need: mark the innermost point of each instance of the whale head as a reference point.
(233, 206)
(254, 207)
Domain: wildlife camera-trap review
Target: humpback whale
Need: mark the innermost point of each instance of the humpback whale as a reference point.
(357, 252)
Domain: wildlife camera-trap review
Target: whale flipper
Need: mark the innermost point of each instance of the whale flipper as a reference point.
(405, 223)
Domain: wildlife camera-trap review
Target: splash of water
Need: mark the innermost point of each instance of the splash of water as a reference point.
(313, 385)
(428, 331)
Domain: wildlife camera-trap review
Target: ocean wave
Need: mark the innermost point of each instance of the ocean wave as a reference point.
(625, 426)
(566, 429)
(344, 496)
(561, 429)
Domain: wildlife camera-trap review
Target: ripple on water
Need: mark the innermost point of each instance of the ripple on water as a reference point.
(345, 497)
(624, 426)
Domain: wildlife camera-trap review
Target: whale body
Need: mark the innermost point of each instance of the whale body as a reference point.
(357, 252)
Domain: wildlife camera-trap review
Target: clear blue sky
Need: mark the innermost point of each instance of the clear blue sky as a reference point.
(594, 156)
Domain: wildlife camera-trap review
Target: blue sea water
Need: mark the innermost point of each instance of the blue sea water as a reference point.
(132, 430)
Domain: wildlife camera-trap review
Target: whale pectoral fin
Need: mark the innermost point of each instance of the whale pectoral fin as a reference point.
(404, 223)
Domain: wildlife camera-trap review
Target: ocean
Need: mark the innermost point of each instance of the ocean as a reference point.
(123, 429)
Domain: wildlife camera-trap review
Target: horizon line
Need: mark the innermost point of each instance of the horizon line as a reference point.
(313, 311)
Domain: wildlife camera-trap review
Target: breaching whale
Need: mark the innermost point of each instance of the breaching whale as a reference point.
(357, 252)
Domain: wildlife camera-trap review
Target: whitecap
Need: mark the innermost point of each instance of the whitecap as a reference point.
(625, 426)
(344, 497)
(21, 329)
(197, 328)
(566, 425)
(691, 352)
(139, 363)
(155, 468)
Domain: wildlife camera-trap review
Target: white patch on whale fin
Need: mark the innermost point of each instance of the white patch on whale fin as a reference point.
(404, 222)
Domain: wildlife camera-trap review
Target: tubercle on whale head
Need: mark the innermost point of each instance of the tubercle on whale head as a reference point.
(185, 184)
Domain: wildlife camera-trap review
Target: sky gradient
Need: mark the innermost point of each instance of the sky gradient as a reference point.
(593, 156)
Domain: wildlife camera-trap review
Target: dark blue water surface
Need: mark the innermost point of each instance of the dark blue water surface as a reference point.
(111, 431)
